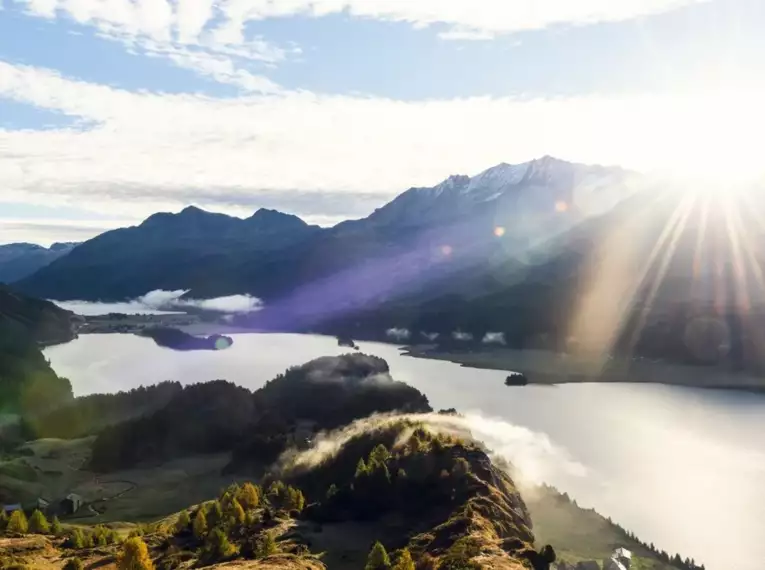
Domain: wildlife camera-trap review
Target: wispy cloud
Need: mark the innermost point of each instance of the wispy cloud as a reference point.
(148, 151)
(183, 32)
(223, 23)
(210, 37)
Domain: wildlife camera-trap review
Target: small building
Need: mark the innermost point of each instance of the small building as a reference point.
(71, 504)
(621, 559)
(42, 504)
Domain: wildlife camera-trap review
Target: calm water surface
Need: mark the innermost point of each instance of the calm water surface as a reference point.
(684, 468)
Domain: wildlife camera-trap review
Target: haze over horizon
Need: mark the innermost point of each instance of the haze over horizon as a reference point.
(306, 108)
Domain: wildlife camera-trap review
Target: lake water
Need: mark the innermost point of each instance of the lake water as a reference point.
(684, 468)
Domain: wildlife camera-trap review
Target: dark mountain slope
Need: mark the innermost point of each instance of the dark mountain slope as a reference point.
(19, 260)
(42, 320)
(167, 251)
(218, 416)
(463, 221)
(27, 382)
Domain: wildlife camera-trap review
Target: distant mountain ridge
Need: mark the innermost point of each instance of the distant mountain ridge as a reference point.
(19, 260)
(166, 251)
(498, 213)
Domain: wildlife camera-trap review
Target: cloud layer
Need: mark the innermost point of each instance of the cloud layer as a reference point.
(144, 152)
(159, 302)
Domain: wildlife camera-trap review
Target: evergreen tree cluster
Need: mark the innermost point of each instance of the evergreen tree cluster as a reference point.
(377, 473)
(37, 523)
(238, 521)
(379, 559)
(79, 538)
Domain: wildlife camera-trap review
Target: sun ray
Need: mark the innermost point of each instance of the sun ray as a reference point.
(676, 227)
(615, 279)
(698, 254)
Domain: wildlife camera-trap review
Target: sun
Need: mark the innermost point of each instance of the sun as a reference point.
(711, 142)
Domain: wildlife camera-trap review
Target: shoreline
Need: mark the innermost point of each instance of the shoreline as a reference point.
(544, 368)
(541, 367)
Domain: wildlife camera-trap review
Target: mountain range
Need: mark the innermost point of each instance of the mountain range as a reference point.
(499, 213)
(531, 250)
(18, 260)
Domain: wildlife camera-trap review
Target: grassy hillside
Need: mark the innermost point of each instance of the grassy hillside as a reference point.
(582, 534)
(27, 382)
(334, 477)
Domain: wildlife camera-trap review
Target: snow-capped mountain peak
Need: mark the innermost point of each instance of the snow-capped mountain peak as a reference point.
(498, 177)
(534, 186)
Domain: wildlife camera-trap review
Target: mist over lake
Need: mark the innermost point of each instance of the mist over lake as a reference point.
(680, 467)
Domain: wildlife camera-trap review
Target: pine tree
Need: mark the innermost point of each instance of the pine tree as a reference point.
(17, 523)
(235, 512)
(265, 545)
(248, 496)
(276, 493)
(294, 501)
(214, 513)
(217, 546)
(88, 540)
(112, 537)
(3, 521)
(38, 524)
(183, 522)
(225, 500)
(380, 454)
(134, 555)
(77, 540)
(378, 558)
(232, 491)
(404, 560)
(101, 535)
(460, 468)
(200, 525)
(55, 526)
(361, 469)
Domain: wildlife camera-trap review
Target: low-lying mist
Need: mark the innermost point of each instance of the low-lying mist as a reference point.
(533, 457)
(162, 302)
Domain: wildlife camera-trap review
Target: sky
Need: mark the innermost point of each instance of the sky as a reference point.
(111, 110)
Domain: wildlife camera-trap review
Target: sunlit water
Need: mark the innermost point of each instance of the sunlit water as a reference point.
(684, 468)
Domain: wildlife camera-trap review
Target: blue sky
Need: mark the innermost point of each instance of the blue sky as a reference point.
(113, 109)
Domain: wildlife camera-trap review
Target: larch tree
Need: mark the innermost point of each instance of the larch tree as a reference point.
(404, 560)
(248, 496)
(200, 525)
(17, 523)
(134, 555)
(38, 524)
(378, 558)
(235, 512)
(217, 546)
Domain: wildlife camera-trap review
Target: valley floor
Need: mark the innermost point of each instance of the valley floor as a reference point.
(548, 368)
